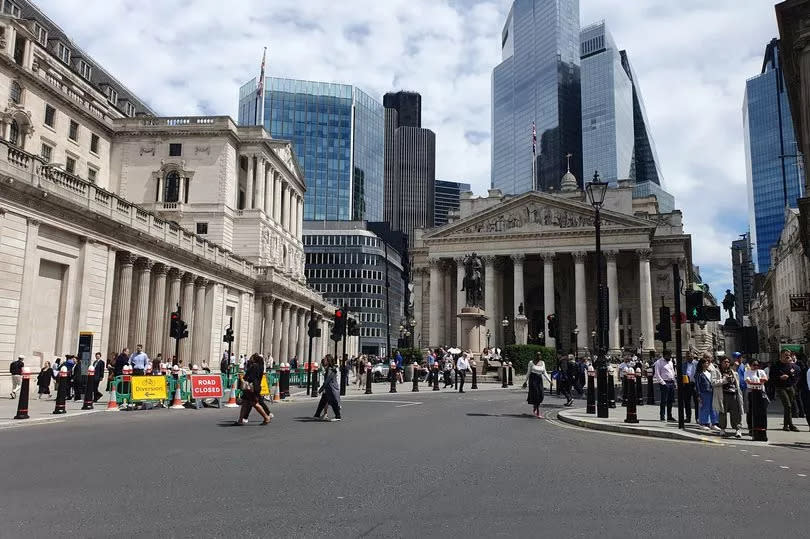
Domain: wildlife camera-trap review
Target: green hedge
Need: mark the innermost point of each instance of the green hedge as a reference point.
(521, 354)
(409, 355)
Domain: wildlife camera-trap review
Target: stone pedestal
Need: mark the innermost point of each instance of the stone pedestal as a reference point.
(473, 329)
(521, 329)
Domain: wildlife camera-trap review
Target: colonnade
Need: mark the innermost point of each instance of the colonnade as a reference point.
(267, 189)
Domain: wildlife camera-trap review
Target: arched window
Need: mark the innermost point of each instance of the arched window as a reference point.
(14, 133)
(16, 92)
(171, 189)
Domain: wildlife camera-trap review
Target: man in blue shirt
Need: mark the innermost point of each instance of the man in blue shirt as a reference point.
(398, 360)
(139, 361)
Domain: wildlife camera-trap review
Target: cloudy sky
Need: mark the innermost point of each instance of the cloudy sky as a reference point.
(692, 58)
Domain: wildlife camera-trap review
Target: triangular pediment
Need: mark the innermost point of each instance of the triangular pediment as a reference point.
(538, 212)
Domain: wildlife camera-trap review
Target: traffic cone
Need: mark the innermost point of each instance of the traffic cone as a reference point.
(112, 404)
(177, 402)
(276, 392)
(232, 395)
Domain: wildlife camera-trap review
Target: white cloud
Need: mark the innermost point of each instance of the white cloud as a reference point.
(692, 58)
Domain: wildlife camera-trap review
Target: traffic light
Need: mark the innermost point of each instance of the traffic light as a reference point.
(552, 326)
(694, 305)
(178, 329)
(313, 330)
(352, 327)
(339, 326)
(711, 313)
(663, 331)
(228, 335)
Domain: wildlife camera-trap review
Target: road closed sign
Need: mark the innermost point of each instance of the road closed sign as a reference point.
(148, 388)
(204, 386)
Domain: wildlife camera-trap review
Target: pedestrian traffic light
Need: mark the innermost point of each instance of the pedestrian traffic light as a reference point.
(228, 335)
(694, 305)
(711, 313)
(340, 325)
(175, 320)
(552, 325)
(352, 327)
(663, 331)
(313, 330)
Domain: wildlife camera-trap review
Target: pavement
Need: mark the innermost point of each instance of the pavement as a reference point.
(649, 424)
(427, 464)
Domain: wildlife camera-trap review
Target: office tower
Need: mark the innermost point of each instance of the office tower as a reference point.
(410, 164)
(773, 162)
(616, 139)
(337, 133)
(537, 83)
(447, 198)
(742, 266)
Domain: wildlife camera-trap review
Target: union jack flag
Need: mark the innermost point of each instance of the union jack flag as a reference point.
(260, 87)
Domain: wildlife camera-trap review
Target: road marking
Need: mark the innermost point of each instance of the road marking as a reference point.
(744, 450)
(401, 403)
(801, 475)
(785, 467)
(754, 455)
(768, 460)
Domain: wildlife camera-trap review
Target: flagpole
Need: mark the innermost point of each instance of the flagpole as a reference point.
(260, 92)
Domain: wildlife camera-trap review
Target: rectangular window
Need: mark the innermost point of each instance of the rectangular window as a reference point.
(112, 95)
(50, 116)
(41, 33)
(63, 52)
(46, 152)
(175, 149)
(94, 143)
(70, 165)
(85, 70)
(92, 174)
(202, 228)
(10, 8)
(73, 131)
(130, 109)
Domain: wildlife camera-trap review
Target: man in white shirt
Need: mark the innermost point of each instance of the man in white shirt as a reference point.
(624, 366)
(462, 366)
(664, 376)
(139, 361)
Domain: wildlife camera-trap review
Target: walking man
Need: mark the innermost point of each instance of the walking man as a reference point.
(16, 370)
(139, 361)
(462, 366)
(98, 375)
(784, 376)
(690, 394)
(564, 371)
(664, 376)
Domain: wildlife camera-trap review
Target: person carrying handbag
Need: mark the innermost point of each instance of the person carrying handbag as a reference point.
(251, 386)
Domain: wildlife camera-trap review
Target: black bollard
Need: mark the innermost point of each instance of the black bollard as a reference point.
(314, 380)
(415, 377)
(759, 413)
(392, 377)
(89, 390)
(344, 377)
(22, 404)
(474, 376)
(455, 378)
(368, 379)
(632, 416)
(436, 376)
(611, 391)
(511, 374)
(639, 391)
(504, 376)
(61, 392)
(650, 386)
(591, 392)
(283, 381)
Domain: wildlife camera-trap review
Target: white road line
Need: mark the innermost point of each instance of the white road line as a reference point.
(744, 450)
(754, 455)
(801, 475)
(768, 460)
(785, 467)
(401, 403)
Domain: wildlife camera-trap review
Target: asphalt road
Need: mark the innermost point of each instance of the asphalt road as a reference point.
(408, 465)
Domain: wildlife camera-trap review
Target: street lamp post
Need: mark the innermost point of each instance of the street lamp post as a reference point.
(576, 340)
(541, 338)
(412, 323)
(505, 324)
(593, 340)
(596, 195)
(489, 334)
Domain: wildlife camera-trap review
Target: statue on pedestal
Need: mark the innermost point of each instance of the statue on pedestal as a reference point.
(728, 304)
(472, 284)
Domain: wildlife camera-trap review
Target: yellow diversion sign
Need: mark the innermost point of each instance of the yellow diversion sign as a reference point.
(148, 388)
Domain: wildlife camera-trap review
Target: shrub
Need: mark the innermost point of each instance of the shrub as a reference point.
(409, 355)
(521, 354)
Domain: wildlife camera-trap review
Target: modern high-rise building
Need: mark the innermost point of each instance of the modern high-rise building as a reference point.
(616, 139)
(410, 164)
(447, 199)
(337, 133)
(537, 83)
(742, 266)
(773, 162)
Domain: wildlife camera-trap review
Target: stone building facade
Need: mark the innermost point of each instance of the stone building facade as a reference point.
(110, 217)
(538, 251)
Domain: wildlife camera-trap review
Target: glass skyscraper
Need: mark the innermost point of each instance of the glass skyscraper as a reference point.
(538, 81)
(337, 133)
(772, 158)
(616, 138)
(448, 198)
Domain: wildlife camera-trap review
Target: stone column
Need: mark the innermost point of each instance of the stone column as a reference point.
(447, 303)
(293, 212)
(435, 302)
(580, 300)
(267, 341)
(268, 190)
(157, 314)
(285, 198)
(282, 330)
(291, 325)
(120, 336)
(613, 302)
(418, 284)
(277, 323)
(461, 297)
(171, 305)
(548, 293)
(187, 315)
(645, 295)
(490, 300)
(302, 335)
(140, 308)
(197, 334)
(249, 183)
(517, 261)
(260, 184)
(276, 197)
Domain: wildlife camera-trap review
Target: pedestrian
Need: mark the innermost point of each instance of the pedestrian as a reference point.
(259, 360)
(77, 378)
(294, 363)
(803, 387)
(139, 361)
(732, 400)
(448, 369)
(110, 371)
(535, 374)
(223, 363)
(717, 392)
(564, 370)
(16, 370)
(251, 389)
(706, 415)
(157, 364)
(754, 380)
(57, 364)
(784, 376)
(329, 390)
(98, 376)
(398, 361)
(121, 361)
(462, 366)
(624, 367)
(664, 376)
(44, 380)
(361, 372)
(690, 394)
